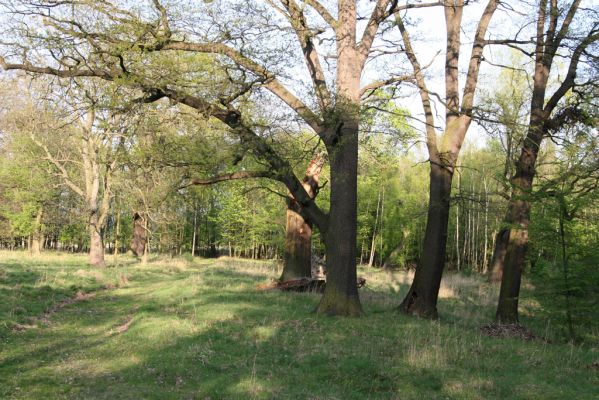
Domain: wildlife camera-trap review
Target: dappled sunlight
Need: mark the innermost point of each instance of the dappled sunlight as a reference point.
(429, 356)
(207, 332)
(253, 387)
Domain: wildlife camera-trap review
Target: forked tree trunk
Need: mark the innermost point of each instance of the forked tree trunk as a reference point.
(421, 299)
(341, 292)
(96, 243)
(140, 235)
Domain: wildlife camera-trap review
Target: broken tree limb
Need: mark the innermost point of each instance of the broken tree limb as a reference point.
(302, 285)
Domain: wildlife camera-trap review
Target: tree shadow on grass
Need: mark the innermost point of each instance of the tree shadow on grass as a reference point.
(211, 335)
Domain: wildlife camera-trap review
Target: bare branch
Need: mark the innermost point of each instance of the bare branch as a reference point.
(569, 81)
(431, 135)
(61, 169)
(371, 87)
(228, 177)
(305, 37)
(476, 57)
(379, 14)
(271, 82)
(323, 12)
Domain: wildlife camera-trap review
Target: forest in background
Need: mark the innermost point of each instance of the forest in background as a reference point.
(130, 132)
(246, 218)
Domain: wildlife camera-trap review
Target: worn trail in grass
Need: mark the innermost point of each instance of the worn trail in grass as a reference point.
(200, 330)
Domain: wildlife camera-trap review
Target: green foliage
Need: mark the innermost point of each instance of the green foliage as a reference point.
(565, 231)
(74, 233)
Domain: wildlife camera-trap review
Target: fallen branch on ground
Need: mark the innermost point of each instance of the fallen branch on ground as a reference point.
(302, 285)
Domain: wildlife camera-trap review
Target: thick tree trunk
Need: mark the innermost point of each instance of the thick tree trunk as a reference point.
(140, 235)
(517, 243)
(498, 259)
(421, 299)
(341, 292)
(96, 243)
(507, 309)
(547, 44)
(518, 214)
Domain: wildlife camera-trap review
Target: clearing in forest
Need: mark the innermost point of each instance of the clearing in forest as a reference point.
(179, 329)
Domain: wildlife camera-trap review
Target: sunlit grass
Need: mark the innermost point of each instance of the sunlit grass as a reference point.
(199, 329)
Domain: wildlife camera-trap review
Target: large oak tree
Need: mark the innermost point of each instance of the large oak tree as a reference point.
(143, 48)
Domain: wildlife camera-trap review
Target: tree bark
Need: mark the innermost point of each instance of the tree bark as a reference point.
(140, 235)
(96, 243)
(518, 220)
(298, 247)
(298, 232)
(548, 40)
(341, 293)
(498, 259)
(421, 299)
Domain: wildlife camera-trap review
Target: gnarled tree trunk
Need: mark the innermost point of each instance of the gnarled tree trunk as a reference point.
(298, 247)
(298, 232)
(140, 234)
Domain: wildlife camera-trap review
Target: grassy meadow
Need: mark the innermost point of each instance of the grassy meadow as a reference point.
(199, 329)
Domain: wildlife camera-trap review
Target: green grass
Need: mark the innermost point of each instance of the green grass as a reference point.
(200, 330)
